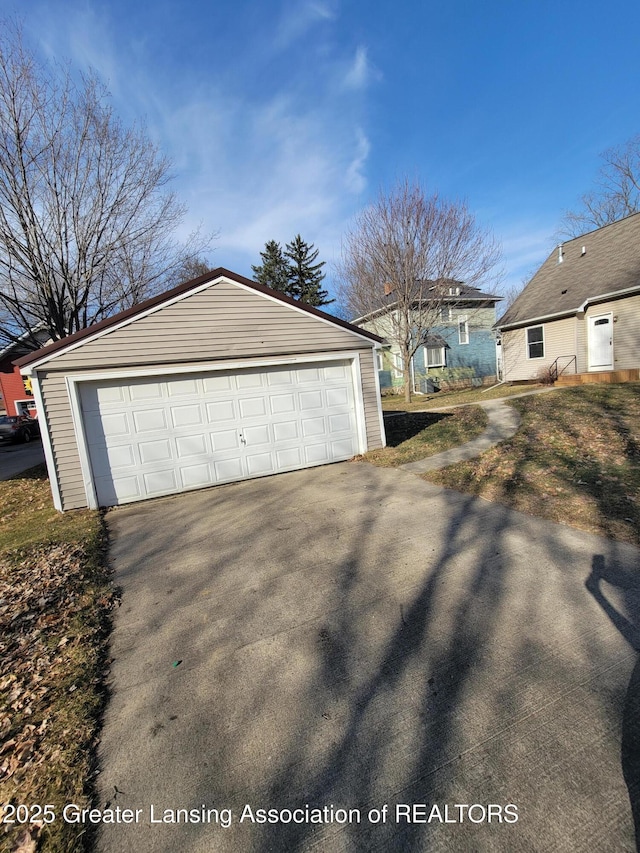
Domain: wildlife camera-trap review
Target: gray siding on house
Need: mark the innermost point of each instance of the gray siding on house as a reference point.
(224, 322)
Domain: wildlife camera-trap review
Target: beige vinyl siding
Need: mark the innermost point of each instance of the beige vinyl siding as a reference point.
(222, 322)
(626, 331)
(559, 341)
(368, 371)
(63, 440)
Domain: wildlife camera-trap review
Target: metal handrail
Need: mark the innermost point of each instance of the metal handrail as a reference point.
(555, 372)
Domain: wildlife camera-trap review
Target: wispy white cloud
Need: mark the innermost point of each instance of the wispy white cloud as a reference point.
(360, 72)
(252, 165)
(298, 18)
(356, 180)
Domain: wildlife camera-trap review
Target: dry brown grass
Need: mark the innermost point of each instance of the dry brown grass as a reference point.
(575, 459)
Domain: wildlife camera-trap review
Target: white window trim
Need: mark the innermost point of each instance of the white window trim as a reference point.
(528, 344)
(443, 357)
(463, 321)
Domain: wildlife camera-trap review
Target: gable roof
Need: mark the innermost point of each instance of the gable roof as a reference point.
(181, 291)
(467, 293)
(601, 263)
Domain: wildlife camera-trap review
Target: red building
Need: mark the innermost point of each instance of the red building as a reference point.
(15, 398)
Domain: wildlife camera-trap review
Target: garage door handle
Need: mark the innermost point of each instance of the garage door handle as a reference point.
(243, 439)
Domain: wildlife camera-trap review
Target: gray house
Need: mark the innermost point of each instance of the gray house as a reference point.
(580, 313)
(218, 380)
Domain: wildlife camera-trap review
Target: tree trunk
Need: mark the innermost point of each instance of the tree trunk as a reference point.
(408, 385)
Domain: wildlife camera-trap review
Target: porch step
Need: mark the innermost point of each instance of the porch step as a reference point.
(630, 375)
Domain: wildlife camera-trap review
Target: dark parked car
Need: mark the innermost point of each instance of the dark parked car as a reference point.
(18, 428)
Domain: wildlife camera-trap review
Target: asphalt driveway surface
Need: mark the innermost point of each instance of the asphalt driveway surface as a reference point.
(354, 638)
(16, 458)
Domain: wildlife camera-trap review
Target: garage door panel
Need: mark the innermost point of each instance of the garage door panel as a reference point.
(255, 407)
(286, 431)
(256, 435)
(150, 420)
(186, 416)
(112, 424)
(344, 448)
(149, 437)
(335, 372)
(337, 397)
(308, 374)
(195, 475)
(279, 377)
(219, 382)
(182, 387)
(228, 469)
(282, 403)
(317, 454)
(289, 458)
(160, 482)
(145, 391)
(313, 426)
(159, 450)
(119, 489)
(225, 410)
(226, 440)
(310, 400)
(249, 380)
(191, 445)
(340, 423)
(260, 463)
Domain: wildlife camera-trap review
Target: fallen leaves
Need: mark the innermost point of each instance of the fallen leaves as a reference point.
(55, 604)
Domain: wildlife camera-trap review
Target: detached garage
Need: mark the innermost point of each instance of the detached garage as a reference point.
(217, 380)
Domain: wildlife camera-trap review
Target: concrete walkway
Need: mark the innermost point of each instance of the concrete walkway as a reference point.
(503, 422)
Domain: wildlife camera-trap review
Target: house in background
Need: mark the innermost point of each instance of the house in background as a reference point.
(460, 347)
(16, 396)
(579, 316)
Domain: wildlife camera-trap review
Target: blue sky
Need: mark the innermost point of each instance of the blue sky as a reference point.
(284, 117)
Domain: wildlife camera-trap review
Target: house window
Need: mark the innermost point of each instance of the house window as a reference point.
(396, 359)
(445, 314)
(454, 291)
(435, 357)
(380, 360)
(463, 331)
(535, 342)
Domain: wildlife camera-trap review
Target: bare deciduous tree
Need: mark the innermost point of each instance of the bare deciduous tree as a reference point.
(86, 220)
(616, 193)
(405, 258)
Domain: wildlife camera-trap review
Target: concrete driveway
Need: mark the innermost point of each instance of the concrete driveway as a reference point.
(354, 638)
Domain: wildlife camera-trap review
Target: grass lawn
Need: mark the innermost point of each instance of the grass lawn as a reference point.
(575, 459)
(55, 606)
(415, 435)
(396, 403)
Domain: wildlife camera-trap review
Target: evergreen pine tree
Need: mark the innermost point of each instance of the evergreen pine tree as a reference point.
(305, 275)
(274, 270)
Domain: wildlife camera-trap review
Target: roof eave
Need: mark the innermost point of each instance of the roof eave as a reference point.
(57, 348)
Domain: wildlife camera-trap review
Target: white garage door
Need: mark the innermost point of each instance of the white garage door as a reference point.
(161, 435)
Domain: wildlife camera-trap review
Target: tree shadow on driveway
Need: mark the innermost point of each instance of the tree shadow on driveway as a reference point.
(353, 636)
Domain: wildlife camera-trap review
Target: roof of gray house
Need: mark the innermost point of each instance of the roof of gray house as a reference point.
(595, 265)
(463, 293)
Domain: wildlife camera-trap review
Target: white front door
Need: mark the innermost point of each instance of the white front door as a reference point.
(166, 434)
(601, 342)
